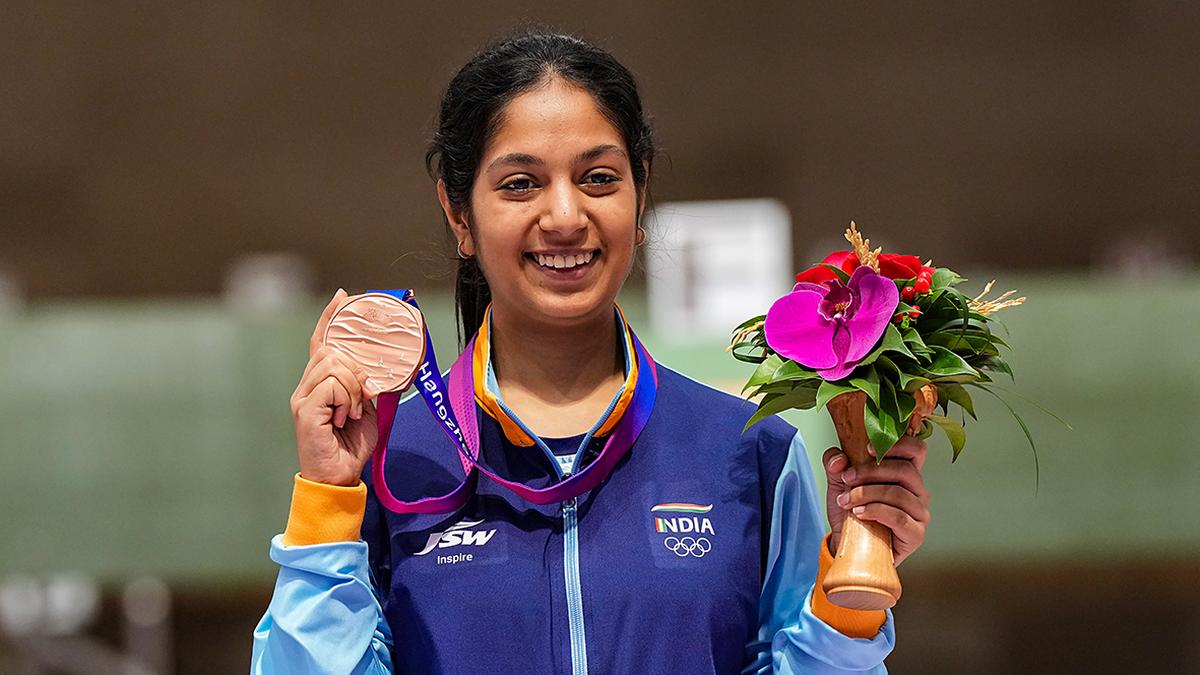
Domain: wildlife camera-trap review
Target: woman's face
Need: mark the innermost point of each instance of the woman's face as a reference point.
(554, 209)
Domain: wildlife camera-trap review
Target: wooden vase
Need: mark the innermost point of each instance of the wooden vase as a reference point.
(863, 573)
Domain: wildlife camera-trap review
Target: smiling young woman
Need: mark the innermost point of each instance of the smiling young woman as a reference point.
(552, 220)
(626, 523)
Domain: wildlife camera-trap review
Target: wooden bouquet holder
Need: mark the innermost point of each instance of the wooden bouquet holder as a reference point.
(863, 573)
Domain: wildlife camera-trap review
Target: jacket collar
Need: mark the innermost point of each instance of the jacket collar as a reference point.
(487, 391)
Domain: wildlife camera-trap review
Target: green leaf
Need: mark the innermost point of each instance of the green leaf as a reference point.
(887, 364)
(841, 274)
(905, 403)
(1039, 406)
(926, 430)
(965, 303)
(770, 388)
(1028, 436)
(765, 371)
(883, 420)
(911, 383)
(914, 340)
(946, 362)
(801, 398)
(933, 297)
(892, 342)
(828, 390)
(871, 356)
(790, 370)
(953, 324)
(954, 432)
(944, 277)
(968, 341)
(749, 322)
(958, 394)
(997, 364)
(868, 384)
(739, 352)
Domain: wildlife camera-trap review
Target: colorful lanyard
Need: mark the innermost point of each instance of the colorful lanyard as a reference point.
(457, 402)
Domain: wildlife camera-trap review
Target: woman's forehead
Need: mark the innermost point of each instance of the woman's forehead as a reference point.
(555, 122)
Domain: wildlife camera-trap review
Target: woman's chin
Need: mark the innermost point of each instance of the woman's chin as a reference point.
(575, 307)
(556, 308)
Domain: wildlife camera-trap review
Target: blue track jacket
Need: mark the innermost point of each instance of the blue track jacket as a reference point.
(697, 555)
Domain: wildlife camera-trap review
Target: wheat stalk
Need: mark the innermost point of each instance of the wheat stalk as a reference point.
(744, 334)
(986, 307)
(862, 248)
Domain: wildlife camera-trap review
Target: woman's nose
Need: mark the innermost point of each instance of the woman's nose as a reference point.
(564, 212)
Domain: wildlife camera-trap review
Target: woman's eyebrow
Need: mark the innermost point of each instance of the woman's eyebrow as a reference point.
(525, 159)
(517, 158)
(597, 151)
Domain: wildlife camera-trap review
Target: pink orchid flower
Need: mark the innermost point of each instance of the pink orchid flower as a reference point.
(831, 326)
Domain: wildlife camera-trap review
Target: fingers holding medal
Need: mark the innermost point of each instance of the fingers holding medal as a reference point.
(362, 346)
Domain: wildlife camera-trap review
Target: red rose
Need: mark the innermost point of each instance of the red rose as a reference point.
(899, 266)
(890, 266)
(846, 260)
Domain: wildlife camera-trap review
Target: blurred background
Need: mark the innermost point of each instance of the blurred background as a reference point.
(183, 186)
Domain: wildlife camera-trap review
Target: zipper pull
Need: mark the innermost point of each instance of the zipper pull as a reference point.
(570, 504)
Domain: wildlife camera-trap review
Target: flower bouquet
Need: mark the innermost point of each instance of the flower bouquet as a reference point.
(882, 342)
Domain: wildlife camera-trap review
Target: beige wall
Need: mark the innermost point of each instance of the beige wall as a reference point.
(144, 148)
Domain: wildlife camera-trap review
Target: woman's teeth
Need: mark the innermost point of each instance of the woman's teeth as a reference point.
(563, 261)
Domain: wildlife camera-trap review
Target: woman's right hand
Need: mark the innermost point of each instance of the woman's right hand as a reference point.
(333, 414)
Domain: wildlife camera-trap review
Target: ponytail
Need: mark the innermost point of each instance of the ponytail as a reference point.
(471, 298)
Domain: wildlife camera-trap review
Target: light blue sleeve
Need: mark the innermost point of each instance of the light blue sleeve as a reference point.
(324, 615)
(799, 641)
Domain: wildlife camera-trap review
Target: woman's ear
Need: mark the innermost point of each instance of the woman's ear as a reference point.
(457, 220)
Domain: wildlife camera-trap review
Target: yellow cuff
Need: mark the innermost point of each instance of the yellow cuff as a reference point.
(857, 623)
(322, 513)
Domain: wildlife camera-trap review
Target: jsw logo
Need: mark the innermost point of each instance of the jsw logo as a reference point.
(457, 535)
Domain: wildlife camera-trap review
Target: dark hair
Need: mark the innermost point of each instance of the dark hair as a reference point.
(469, 115)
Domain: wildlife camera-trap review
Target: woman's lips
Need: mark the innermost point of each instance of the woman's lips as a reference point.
(564, 267)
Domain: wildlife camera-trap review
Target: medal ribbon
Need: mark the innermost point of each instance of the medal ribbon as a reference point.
(457, 402)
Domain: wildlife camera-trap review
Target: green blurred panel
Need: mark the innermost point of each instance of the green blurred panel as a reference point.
(156, 437)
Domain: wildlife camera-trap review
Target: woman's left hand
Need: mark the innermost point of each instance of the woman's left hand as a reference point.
(892, 493)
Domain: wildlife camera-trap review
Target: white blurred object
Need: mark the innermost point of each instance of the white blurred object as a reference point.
(72, 602)
(269, 281)
(22, 605)
(62, 604)
(46, 618)
(147, 604)
(1146, 251)
(713, 264)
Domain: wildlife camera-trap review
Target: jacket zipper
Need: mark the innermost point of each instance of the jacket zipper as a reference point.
(574, 589)
(575, 626)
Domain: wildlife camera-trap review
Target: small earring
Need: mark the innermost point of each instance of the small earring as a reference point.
(461, 255)
(641, 236)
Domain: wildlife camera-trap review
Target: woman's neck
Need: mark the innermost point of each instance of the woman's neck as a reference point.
(558, 380)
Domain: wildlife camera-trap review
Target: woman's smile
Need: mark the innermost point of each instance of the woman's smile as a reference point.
(563, 265)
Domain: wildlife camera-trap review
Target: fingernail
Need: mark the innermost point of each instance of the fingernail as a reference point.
(358, 410)
(859, 509)
(849, 474)
(843, 498)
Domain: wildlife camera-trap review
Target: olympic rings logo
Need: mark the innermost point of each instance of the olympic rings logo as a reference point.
(688, 546)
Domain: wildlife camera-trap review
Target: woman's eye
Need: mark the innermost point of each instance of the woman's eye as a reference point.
(518, 185)
(600, 179)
